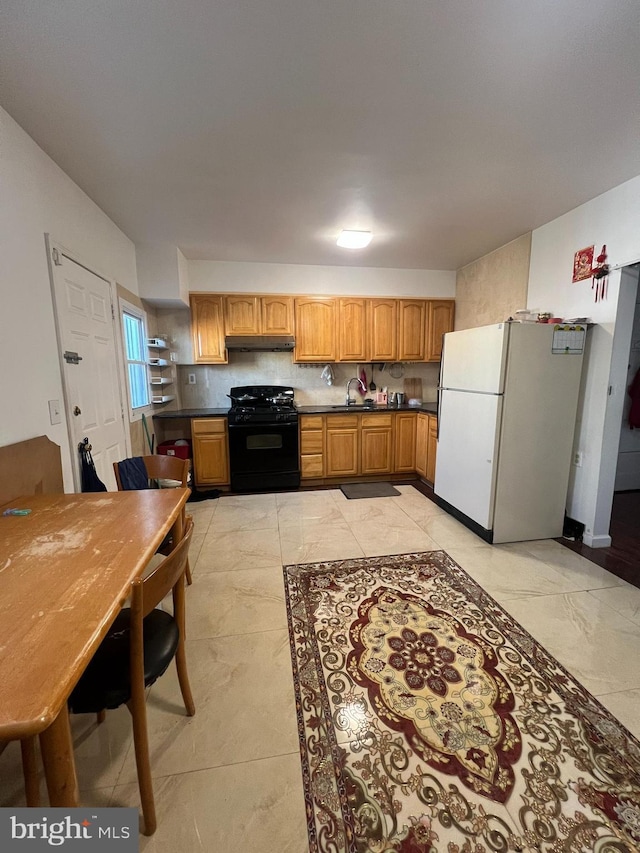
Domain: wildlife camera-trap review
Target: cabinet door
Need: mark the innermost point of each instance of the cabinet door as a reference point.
(405, 442)
(342, 452)
(242, 315)
(315, 329)
(422, 428)
(440, 315)
(376, 451)
(412, 322)
(383, 329)
(210, 452)
(432, 448)
(277, 315)
(207, 329)
(352, 330)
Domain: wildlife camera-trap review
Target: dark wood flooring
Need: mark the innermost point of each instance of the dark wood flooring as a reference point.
(623, 557)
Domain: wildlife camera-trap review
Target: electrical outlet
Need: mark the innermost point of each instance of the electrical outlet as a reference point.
(577, 459)
(192, 378)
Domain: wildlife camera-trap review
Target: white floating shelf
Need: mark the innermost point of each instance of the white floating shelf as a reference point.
(160, 380)
(162, 398)
(158, 362)
(156, 343)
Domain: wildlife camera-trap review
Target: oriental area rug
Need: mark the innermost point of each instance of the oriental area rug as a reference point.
(431, 722)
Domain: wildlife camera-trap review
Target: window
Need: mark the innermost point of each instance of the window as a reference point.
(135, 353)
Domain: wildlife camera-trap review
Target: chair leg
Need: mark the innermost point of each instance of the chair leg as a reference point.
(30, 771)
(188, 574)
(183, 679)
(101, 716)
(138, 710)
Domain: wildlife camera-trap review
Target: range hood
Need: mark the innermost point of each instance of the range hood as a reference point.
(259, 343)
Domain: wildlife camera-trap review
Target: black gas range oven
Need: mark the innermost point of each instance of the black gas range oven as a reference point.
(263, 438)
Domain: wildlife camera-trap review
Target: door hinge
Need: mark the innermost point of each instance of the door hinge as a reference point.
(55, 254)
(113, 313)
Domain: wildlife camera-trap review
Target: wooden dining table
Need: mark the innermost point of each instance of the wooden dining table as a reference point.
(65, 573)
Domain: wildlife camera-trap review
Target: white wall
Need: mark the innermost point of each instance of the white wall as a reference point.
(36, 197)
(230, 277)
(612, 219)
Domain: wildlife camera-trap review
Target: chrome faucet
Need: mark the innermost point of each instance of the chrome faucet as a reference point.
(351, 402)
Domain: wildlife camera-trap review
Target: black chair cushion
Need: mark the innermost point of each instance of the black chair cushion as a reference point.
(105, 682)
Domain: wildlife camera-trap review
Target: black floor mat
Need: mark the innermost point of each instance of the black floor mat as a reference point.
(368, 490)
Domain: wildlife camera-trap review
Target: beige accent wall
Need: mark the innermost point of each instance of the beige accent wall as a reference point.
(490, 289)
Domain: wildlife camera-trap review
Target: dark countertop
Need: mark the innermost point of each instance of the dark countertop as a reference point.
(358, 409)
(193, 413)
(431, 408)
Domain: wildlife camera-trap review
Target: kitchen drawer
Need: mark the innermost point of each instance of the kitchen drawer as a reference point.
(378, 421)
(311, 466)
(208, 425)
(342, 421)
(311, 441)
(311, 422)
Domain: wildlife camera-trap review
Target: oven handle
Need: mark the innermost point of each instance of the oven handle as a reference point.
(264, 426)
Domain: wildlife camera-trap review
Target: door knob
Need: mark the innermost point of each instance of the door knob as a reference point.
(77, 411)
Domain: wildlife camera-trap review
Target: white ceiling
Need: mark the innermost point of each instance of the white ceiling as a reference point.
(255, 130)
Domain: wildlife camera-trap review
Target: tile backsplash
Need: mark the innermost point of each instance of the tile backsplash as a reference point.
(258, 368)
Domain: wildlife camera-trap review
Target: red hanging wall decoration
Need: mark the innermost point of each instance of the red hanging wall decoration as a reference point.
(601, 276)
(582, 263)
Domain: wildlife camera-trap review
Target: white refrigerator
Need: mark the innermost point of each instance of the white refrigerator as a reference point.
(508, 397)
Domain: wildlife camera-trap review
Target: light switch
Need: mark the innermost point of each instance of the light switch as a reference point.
(54, 411)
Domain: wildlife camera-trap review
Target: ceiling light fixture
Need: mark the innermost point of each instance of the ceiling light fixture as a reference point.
(354, 239)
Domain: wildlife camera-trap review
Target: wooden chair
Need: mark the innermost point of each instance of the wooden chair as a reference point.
(162, 468)
(138, 649)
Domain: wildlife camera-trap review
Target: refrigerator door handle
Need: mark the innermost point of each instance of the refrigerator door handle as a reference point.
(444, 340)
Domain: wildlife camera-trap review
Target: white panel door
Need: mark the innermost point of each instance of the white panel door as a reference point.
(468, 426)
(474, 359)
(92, 386)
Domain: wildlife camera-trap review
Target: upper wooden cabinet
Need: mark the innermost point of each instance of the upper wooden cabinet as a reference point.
(258, 315)
(440, 316)
(277, 315)
(316, 326)
(242, 315)
(412, 329)
(382, 322)
(207, 328)
(326, 328)
(352, 329)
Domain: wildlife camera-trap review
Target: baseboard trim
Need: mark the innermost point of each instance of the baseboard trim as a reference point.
(592, 541)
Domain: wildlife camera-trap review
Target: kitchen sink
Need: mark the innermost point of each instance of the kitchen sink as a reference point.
(352, 408)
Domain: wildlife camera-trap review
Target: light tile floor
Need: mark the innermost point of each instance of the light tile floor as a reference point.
(229, 778)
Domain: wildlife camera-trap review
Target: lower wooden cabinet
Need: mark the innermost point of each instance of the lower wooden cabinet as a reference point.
(367, 444)
(311, 447)
(342, 446)
(210, 451)
(432, 447)
(405, 443)
(426, 446)
(376, 444)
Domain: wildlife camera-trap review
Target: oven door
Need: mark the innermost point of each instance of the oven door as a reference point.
(264, 456)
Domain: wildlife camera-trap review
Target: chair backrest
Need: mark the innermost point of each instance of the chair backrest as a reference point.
(148, 592)
(158, 468)
(162, 467)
